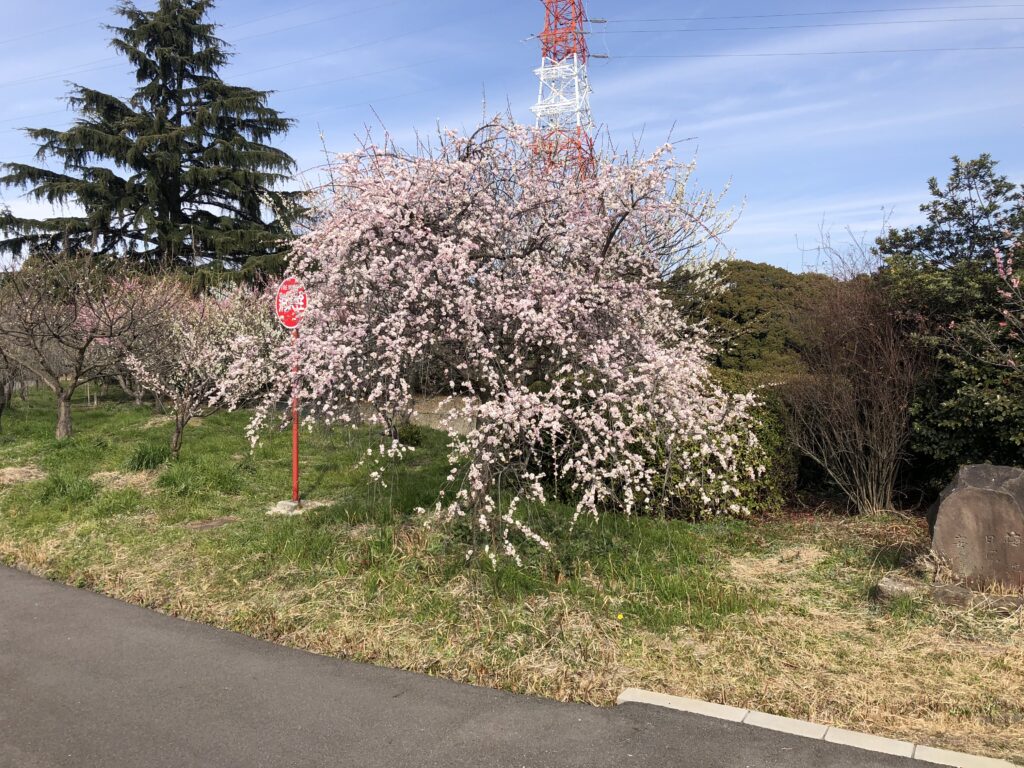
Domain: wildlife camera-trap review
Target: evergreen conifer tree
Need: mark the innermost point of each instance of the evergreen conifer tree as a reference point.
(180, 173)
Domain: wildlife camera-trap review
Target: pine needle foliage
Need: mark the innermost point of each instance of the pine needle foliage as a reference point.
(181, 173)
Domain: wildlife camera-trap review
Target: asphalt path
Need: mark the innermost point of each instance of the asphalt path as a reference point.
(89, 681)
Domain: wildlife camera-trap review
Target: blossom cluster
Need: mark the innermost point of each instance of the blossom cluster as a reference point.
(536, 300)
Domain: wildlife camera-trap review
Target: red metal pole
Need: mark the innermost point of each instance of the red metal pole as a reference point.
(295, 421)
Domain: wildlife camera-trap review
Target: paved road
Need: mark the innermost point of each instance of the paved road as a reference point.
(86, 681)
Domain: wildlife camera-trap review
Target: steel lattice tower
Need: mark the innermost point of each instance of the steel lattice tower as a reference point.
(563, 104)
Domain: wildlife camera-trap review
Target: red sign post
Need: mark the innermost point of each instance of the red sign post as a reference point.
(290, 306)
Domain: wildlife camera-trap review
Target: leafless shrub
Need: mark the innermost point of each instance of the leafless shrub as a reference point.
(849, 411)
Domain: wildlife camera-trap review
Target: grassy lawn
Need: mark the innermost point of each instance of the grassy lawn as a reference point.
(773, 615)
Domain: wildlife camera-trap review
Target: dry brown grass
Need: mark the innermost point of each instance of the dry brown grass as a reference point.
(948, 677)
(119, 481)
(12, 475)
(211, 524)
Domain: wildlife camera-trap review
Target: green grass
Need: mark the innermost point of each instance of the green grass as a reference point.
(753, 613)
(658, 575)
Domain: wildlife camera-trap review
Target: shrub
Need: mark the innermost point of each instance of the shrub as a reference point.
(850, 411)
(66, 488)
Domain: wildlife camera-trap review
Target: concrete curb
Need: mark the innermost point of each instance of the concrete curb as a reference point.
(811, 730)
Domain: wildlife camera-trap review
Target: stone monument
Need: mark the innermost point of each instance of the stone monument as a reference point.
(978, 525)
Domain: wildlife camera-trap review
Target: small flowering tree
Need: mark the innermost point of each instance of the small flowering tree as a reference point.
(538, 297)
(66, 319)
(202, 338)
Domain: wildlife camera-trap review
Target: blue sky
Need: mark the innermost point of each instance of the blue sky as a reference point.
(806, 141)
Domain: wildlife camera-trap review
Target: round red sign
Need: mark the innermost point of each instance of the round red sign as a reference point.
(290, 304)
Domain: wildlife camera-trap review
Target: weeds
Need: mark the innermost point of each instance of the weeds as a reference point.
(147, 456)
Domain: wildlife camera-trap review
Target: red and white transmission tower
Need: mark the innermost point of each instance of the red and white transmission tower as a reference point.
(563, 105)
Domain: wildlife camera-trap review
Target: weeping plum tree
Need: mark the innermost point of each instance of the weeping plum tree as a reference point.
(538, 296)
(999, 343)
(1013, 310)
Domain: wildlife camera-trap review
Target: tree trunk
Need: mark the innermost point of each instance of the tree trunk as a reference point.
(179, 429)
(63, 415)
(132, 389)
(6, 393)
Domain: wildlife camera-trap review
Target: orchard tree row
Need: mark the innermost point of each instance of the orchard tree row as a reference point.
(72, 320)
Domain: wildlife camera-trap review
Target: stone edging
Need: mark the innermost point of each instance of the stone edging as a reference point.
(811, 730)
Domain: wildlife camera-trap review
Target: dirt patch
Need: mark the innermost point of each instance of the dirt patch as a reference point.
(158, 421)
(291, 509)
(435, 412)
(12, 475)
(209, 525)
(786, 563)
(120, 481)
(362, 532)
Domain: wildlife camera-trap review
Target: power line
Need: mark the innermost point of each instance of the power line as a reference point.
(813, 53)
(32, 117)
(98, 19)
(306, 86)
(808, 26)
(322, 20)
(815, 13)
(117, 60)
(59, 75)
(48, 30)
(369, 103)
(357, 77)
(353, 105)
(336, 51)
(275, 15)
(249, 72)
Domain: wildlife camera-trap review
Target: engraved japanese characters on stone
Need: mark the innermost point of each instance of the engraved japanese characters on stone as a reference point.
(979, 525)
